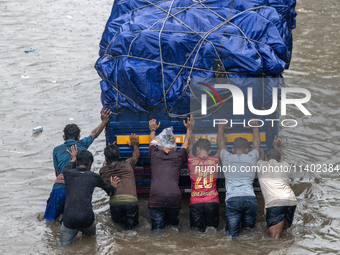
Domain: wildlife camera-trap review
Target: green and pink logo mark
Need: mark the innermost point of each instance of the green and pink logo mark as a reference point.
(204, 97)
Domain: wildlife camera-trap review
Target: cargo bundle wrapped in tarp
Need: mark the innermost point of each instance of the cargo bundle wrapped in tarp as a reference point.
(151, 50)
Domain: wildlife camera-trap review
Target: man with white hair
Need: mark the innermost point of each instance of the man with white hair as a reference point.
(166, 163)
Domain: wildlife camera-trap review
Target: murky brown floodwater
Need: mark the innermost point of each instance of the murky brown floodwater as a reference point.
(63, 84)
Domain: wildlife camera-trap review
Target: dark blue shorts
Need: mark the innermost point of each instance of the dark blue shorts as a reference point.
(240, 211)
(163, 216)
(55, 204)
(276, 214)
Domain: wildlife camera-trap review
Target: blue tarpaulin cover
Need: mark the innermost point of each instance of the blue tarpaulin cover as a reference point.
(151, 49)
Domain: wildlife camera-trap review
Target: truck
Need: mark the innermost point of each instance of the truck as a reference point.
(154, 53)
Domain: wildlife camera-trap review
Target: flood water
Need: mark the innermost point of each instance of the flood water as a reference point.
(57, 84)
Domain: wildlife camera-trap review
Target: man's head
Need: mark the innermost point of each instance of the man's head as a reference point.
(241, 146)
(84, 158)
(273, 154)
(168, 143)
(111, 153)
(166, 140)
(71, 131)
(203, 146)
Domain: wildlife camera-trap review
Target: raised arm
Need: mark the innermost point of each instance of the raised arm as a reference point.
(192, 139)
(105, 117)
(191, 143)
(134, 143)
(261, 157)
(186, 142)
(72, 163)
(277, 145)
(256, 134)
(153, 127)
(73, 153)
(221, 139)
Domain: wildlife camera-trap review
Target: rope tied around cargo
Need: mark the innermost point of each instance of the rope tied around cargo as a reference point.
(194, 52)
(160, 54)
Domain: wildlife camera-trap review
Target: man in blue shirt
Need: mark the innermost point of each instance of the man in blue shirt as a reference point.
(239, 170)
(56, 202)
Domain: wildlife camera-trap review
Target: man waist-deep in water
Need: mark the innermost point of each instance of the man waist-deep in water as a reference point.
(80, 183)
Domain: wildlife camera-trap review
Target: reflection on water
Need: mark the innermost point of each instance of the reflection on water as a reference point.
(57, 84)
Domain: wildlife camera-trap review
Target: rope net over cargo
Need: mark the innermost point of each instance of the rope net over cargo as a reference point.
(151, 51)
